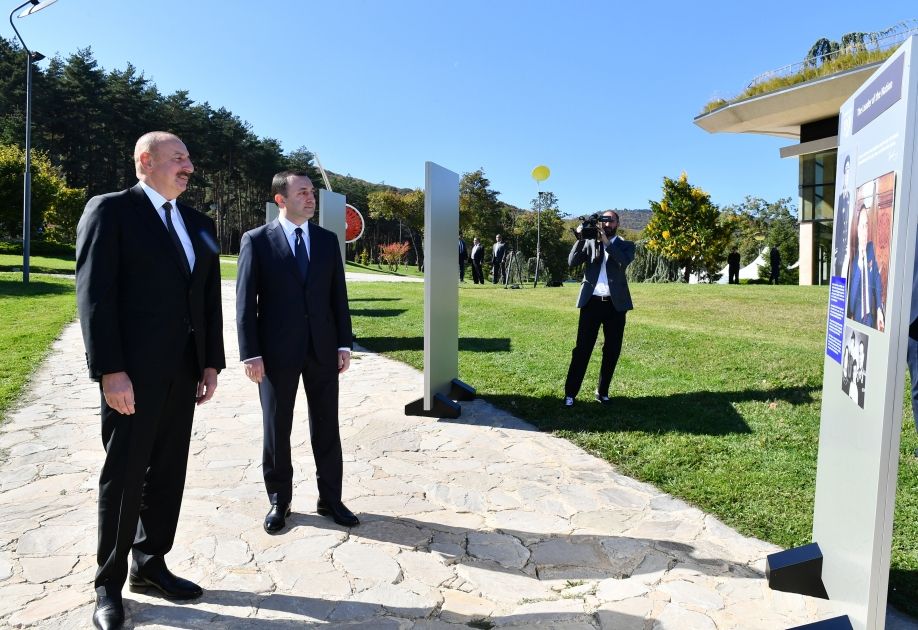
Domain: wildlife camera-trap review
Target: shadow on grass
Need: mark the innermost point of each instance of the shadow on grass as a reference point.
(37, 269)
(903, 583)
(377, 312)
(15, 288)
(374, 299)
(379, 270)
(466, 344)
(701, 413)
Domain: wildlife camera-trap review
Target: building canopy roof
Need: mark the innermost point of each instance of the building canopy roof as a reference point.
(781, 113)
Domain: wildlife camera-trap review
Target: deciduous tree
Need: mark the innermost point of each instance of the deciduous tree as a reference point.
(687, 227)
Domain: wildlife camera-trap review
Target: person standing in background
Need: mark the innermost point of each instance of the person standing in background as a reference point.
(463, 257)
(733, 263)
(604, 301)
(497, 259)
(775, 257)
(477, 258)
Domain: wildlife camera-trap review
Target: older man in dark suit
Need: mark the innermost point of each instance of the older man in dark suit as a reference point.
(294, 323)
(604, 299)
(148, 293)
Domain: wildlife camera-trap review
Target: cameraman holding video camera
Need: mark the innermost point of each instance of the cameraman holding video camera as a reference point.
(604, 300)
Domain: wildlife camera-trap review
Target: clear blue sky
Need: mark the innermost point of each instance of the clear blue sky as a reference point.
(602, 92)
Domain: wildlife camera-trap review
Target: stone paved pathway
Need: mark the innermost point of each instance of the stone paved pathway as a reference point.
(480, 523)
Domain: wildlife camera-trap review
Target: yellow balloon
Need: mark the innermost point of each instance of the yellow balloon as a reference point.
(540, 173)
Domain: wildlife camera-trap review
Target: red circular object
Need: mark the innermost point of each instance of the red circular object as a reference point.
(354, 223)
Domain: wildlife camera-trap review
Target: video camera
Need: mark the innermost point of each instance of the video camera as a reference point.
(589, 226)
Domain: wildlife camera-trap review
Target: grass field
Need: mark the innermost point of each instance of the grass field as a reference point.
(38, 264)
(31, 317)
(228, 269)
(716, 396)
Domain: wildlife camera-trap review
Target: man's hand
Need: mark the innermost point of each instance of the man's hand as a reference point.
(206, 386)
(603, 236)
(255, 369)
(344, 361)
(119, 392)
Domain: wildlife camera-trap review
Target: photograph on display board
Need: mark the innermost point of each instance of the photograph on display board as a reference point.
(842, 220)
(854, 366)
(869, 240)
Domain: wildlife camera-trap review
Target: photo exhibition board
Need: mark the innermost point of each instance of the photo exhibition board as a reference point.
(866, 337)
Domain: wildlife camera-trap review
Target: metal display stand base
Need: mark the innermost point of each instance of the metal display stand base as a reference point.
(797, 570)
(461, 391)
(443, 407)
(835, 623)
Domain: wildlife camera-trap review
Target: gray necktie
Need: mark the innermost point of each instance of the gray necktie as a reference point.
(302, 257)
(173, 236)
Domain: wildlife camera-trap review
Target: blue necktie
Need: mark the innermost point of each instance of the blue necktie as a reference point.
(299, 252)
(173, 236)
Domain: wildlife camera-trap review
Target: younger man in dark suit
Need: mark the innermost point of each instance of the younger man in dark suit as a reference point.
(293, 323)
(604, 300)
(148, 293)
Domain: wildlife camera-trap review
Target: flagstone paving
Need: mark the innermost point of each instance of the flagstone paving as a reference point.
(480, 522)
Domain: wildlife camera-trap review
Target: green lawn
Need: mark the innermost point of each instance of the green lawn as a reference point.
(38, 264)
(408, 271)
(31, 317)
(717, 394)
(228, 269)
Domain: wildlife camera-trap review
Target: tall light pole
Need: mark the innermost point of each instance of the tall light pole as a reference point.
(31, 57)
(539, 174)
(535, 280)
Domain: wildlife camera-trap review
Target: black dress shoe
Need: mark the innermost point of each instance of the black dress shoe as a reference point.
(275, 521)
(108, 614)
(339, 513)
(163, 580)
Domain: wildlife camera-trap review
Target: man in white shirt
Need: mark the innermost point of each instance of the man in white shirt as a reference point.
(148, 293)
(294, 324)
(604, 299)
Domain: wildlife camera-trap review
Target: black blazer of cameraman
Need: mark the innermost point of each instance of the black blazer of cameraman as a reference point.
(621, 253)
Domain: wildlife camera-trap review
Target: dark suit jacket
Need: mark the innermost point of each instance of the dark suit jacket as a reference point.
(478, 254)
(498, 250)
(278, 317)
(858, 309)
(463, 252)
(135, 302)
(621, 253)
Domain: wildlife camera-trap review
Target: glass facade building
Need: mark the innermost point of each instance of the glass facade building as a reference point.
(817, 207)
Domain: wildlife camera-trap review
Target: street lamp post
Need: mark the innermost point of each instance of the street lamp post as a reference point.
(542, 194)
(31, 57)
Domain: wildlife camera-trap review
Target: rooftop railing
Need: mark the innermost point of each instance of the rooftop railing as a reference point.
(861, 42)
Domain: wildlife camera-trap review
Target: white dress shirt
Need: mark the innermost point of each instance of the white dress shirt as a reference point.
(602, 283)
(290, 229)
(181, 231)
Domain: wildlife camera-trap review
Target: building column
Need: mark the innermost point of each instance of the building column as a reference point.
(807, 262)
